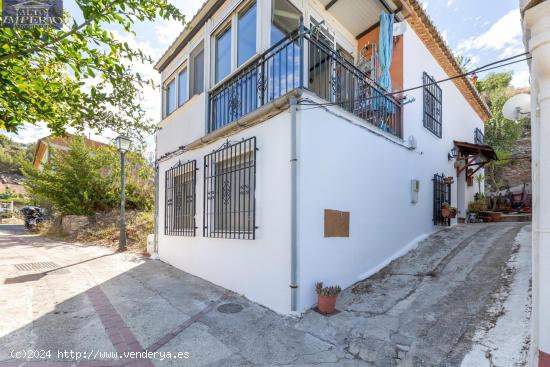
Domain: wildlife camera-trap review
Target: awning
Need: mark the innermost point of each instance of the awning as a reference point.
(470, 155)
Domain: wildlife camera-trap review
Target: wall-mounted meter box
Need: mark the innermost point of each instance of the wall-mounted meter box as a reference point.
(415, 189)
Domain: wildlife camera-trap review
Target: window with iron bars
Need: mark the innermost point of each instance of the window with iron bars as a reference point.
(229, 188)
(180, 196)
(442, 194)
(433, 105)
(479, 138)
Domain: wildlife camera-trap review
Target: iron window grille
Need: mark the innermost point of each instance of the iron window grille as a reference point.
(479, 138)
(442, 194)
(180, 196)
(433, 105)
(229, 191)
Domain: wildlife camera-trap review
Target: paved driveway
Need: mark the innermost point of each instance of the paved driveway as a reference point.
(69, 304)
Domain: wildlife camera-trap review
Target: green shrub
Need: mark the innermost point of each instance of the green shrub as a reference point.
(85, 180)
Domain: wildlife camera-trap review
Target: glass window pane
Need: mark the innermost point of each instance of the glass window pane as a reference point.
(223, 55)
(171, 97)
(285, 19)
(198, 73)
(247, 35)
(182, 87)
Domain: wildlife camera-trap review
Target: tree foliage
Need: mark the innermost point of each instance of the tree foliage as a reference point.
(79, 75)
(12, 153)
(86, 179)
(500, 133)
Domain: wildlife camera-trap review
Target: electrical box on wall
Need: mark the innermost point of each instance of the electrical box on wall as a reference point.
(415, 189)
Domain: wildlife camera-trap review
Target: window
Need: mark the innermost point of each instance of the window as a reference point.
(179, 210)
(285, 19)
(170, 98)
(198, 72)
(182, 87)
(433, 99)
(230, 184)
(223, 55)
(246, 37)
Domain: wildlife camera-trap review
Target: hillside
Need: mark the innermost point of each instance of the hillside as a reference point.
(11, 153)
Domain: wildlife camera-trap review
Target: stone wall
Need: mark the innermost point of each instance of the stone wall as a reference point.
(518, 170)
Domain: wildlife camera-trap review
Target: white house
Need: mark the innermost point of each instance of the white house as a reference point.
(536, 36)
(282, 161)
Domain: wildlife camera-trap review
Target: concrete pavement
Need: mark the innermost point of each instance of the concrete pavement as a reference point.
(423, 309)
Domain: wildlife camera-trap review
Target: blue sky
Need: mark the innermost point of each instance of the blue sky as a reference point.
(483, 30)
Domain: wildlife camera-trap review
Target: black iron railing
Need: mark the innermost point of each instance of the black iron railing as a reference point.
(479, 138)
(281, 69)
(442, 194)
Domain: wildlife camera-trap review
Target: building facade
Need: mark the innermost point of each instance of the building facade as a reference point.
(536, 30)
(306, 141)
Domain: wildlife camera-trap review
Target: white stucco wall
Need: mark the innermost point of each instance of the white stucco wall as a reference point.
(345, 166)
(260, 268)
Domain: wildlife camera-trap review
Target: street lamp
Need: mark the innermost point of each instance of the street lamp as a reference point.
(123, 145)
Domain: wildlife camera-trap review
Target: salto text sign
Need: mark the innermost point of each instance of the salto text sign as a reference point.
(31, 13)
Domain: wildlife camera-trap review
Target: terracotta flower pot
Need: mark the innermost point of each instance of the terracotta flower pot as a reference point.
(326, 304)
(445, 212)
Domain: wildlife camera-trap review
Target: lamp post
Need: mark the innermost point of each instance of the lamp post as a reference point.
(123, 145)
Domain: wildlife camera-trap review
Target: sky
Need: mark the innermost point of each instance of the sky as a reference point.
(484, 30)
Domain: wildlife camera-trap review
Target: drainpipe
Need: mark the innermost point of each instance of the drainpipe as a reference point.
(294, 180)
(155, 254)
(293, 207)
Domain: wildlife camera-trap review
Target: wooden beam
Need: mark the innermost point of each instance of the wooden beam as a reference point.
(367, 31)
(385, 5)
(329, 5)
(377, 24)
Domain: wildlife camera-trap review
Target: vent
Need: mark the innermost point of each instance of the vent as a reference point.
(36, 266)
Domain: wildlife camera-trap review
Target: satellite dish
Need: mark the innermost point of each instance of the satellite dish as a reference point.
(517, 107)
(399, 28)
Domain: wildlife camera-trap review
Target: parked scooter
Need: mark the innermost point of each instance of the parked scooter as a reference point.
(33, 216)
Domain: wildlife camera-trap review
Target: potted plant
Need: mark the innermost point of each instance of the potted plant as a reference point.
(448, 180)
(445, 210)
(454, 212)
(326, 298)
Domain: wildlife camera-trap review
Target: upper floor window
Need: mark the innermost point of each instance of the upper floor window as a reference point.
(198, 71)
(285, 19)
(182, 87)
(246, 36)
(433, 105)
(170, 98)
(223, 55)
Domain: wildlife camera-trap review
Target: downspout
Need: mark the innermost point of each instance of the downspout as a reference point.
(294, 180)
(155, 254)
(293, 207)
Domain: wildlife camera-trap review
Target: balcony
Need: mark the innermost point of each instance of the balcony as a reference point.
(304, 61)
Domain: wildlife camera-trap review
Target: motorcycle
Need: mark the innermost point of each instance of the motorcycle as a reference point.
(33, 216)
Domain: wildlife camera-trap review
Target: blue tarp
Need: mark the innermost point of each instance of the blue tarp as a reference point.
(385, 46)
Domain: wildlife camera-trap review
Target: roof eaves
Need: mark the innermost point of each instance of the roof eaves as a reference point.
(188, 32)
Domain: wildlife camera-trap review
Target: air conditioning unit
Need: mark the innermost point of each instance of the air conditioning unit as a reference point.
(415, 189)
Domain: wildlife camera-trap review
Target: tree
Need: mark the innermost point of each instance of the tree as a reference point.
(86, 179)
(79, 75)
(464, 62)
(500, 133)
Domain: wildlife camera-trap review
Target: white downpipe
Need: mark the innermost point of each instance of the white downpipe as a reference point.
(293, 206)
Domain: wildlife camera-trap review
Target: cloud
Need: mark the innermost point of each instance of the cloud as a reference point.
(504, 35)
(425, 4)
(167, 31)
(521, 79)
(450, 3)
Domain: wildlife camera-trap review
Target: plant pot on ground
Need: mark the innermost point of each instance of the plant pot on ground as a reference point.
(326, 298)
(445, 210)
(454, 212)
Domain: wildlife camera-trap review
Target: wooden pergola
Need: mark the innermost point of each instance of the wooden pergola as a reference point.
(475, 156)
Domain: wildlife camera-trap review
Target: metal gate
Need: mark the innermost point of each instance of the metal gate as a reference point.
(442, 194)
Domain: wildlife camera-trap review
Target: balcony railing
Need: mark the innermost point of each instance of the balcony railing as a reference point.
(281, 69)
